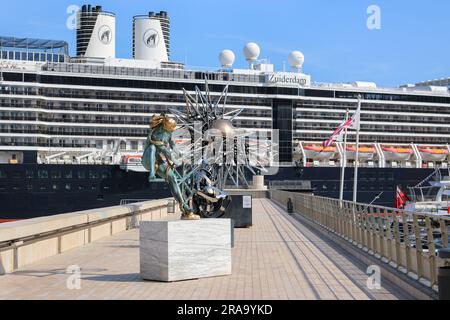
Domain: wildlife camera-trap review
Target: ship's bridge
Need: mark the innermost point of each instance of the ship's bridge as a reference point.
(37, 50)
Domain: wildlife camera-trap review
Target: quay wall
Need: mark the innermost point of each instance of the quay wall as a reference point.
(28, 241)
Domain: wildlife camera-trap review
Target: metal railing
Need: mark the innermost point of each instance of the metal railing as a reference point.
(406, 241)
(290, 185)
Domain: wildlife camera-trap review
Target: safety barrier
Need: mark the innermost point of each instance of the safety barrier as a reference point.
(407, 241)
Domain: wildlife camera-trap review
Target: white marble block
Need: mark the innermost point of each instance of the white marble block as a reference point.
(183, 250)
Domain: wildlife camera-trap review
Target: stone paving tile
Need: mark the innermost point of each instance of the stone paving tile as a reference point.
(277, 258)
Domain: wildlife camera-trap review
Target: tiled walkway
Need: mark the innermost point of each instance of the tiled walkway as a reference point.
(278, 258)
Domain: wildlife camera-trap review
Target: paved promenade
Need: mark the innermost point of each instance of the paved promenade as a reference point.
(278, 258)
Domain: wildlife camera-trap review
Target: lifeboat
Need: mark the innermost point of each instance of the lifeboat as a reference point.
(314, 151)
(364, 152)
(433, 153)
(132, 163)
(397, 153)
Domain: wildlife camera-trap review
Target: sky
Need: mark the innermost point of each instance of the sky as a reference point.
(411, 45)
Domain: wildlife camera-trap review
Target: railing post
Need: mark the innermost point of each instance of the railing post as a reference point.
(398, 258)
(444, 233)
(419, 249)
(388, 237)
(381, 233)
(407, 242)
(431, 251)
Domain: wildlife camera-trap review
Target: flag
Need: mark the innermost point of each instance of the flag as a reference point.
(400, 198)
(351, 123)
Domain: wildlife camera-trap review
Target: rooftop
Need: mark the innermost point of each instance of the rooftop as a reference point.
(33, 44)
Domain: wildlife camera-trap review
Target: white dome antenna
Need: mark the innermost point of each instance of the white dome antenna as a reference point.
(227, 58)
(296, 60)
(251, 52)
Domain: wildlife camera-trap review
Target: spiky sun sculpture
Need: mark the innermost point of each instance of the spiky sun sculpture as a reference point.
(209, 141)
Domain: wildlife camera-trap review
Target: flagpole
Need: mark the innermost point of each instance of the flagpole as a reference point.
(355, 178)
(343, 164)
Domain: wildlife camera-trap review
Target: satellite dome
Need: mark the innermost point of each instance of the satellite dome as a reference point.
(296, 59)
(227, 58)
(251, 51)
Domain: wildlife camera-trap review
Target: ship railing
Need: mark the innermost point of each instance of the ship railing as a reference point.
(124, 202)
(153, 73)
(290, 185)
(405, 242)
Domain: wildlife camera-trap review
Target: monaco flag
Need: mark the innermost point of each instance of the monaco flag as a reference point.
(351, 123)
(400, 198)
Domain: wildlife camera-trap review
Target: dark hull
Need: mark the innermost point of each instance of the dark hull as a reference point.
(32, 190)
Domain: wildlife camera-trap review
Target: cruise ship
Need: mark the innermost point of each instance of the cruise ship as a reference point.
(72, 129)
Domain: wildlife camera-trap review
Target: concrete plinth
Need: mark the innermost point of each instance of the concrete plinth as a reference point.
(183, 250)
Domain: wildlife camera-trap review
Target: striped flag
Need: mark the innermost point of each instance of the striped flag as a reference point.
(351, 123)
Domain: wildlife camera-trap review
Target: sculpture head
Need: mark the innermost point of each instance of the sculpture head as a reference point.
(168, 123)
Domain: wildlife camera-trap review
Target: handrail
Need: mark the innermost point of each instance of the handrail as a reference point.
(407, 241)
(21, 241)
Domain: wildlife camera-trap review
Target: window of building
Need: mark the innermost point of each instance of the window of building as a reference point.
(56, 174)
(42, 174)
(68, 174)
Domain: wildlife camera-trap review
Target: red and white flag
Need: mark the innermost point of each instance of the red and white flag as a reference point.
(351, 123)
(400, 198)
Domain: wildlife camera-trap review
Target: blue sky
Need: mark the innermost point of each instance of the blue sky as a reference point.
(412, 45)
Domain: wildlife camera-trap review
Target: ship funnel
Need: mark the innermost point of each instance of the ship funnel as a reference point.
(96, 35)
(151, 37)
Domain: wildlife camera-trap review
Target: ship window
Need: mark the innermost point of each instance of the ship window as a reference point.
(55, 187)
(93, 187)
(29, 187)
(43, 174)
(106, 175)
(81, 174)
(100, 197)
(105, 188)
(3, 175)
(16, 175)
(56, 174)
(16, 188)
(29, 174)
(43, 187)
(68, 174)
(93, 175)
(68, 186)
(80, 187)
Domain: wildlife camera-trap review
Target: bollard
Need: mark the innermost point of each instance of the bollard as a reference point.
(290, 206)
(444, 274)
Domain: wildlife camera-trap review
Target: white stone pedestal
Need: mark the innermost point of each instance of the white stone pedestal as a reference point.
(181, 250)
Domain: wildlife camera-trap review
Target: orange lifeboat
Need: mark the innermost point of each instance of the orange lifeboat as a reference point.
(429, 153)
(132, 163)
(315, 151)
(364, 152)
(397, 153)
(131, 159)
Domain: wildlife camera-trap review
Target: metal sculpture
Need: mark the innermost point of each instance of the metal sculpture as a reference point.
(210, 151)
